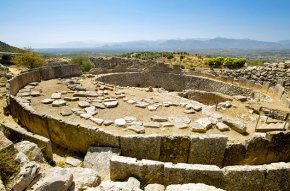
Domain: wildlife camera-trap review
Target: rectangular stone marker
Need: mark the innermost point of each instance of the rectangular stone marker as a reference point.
(141, 147)
(207, 149)
(192, 173)
(245, 177)
(235, 124)
(174, 149)
(147, 171)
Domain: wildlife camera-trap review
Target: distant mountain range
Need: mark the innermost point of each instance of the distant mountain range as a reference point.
(181, 45)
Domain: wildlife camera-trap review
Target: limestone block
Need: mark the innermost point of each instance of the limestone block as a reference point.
(277, 177)
(244, 177)
(154, 187)
(145, 147)
(235, 124)
(234, 154)
(174, 149)
(57, 179)
(147, 171)
(192, 187)
(83, 178)
(192, 173)
(98, 158)
(257, 148)
(207, 149)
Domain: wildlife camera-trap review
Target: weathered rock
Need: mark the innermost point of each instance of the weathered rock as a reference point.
(83, 178)
(116, 186)
(152, 108)
(234, 154)
(174, 120)
(98, 121)
(147, 171)
(56, 96)
(111, 104)
(145, 146)
(244, 177)
(158, 118)
(137, 128)
(35, 93)
(130, 119)
(21, 158)
(196, 127)
(58, 103)
(182, 173)
(120, 122)
(98, 158)
(167, 124)
(240, 98)
(181, 125)
(222, 127)
(27, 173)
(174, 149)
(47, 101)
(277, 176)
(202, 150)
(151, 124)
(235, 124)
(108, 122)
(99, 105)
(204, 122)
(154, 187)
(91, 110)
(71, 98)
(189, 111)
(192, 187)
(31, 150)
(150, 89)
(57, 179)
(66, 112)
(85, 115)
(83, 104)
(73, 161)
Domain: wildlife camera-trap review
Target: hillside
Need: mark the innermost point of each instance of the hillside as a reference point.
(7, 48)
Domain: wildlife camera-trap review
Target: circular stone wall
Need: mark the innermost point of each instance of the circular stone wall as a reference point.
(203, 149)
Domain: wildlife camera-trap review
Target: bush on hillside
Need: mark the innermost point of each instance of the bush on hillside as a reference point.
(28, 59)
(215, 62)
(83, 61)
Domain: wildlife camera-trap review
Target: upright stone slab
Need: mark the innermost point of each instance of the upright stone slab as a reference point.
(207, 149)
(192, 173)
(147, 171)
(240, 178)
(98, 158)
(140, 146)
(277, 177)
(174, 149)
(234, 154)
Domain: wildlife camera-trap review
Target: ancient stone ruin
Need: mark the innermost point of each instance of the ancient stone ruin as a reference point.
(146, 126)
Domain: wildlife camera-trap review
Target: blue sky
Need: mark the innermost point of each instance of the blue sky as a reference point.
(44, 23)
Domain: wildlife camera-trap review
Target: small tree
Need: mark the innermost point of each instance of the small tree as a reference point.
(28, 59)
(83, 61)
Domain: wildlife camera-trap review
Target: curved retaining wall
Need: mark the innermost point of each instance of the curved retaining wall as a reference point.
(173, 82)
(273, 176)
(205, 149)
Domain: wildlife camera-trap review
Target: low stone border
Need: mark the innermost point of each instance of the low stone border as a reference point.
(273, 176)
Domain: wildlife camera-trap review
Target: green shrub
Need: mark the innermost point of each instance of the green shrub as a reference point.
(28, 59)
(215, 62)
(83, 61)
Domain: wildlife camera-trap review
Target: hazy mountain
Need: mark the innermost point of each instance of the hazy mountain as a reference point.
(7, 48)
(196, 44)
